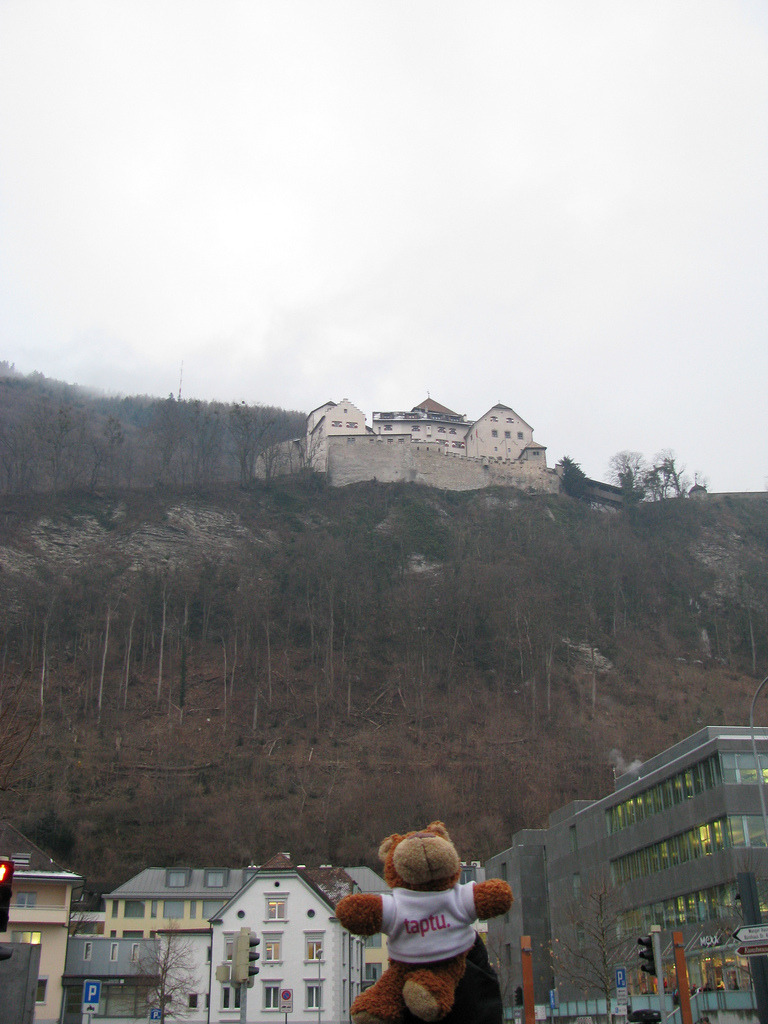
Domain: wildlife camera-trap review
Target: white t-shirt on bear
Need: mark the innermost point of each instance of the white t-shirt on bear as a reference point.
(428, 926)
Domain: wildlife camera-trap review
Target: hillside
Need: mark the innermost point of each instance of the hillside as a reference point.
(221, 674)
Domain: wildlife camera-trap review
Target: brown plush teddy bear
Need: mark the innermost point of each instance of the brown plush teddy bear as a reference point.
(428, 918)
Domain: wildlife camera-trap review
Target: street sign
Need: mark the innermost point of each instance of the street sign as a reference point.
(751, 933)
(286, 1000)
(155, 1013)
(753, 949)
(91, 996)
(621, 986)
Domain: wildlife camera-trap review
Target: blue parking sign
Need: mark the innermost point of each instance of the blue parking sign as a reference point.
(155, 1013)
(91, 996)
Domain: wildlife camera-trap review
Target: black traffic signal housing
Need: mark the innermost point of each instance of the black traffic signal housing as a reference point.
(519, 995)
(645, 954)
(6, 878)
(253, 956)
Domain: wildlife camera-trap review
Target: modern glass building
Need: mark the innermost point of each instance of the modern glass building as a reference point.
(664, 849)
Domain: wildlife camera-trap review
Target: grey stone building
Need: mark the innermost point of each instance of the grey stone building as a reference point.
(664, 849)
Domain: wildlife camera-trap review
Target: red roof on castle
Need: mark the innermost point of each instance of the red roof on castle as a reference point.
(430, 405)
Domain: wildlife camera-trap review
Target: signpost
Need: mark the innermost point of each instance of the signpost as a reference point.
(756, 949)
(752, 933)
(621, 991)
(91, 997)
(286, 1002)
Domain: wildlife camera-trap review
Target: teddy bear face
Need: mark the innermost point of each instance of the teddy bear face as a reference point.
(423, 861)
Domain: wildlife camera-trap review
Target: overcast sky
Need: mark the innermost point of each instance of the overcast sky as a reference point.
(561, 206)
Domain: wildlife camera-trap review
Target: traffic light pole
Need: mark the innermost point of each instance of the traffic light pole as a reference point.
(243, 1002)
(656, 939)
(750, 908)
(526, 956)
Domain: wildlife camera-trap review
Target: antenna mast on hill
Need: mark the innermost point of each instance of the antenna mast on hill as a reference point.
(181, 375)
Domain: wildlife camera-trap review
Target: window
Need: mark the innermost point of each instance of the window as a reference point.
(113, 951)
(271, 949)
(494, 433)
(134, 908)
(271, 997)
(26, 899)
(211, 908)
(230, 997)
(42, 985)
(373, 941)
(337, 423)
(135, 952)
(415, 428)
(192, 1001)
(177, 879)
(520, 435)
(351, 426)
(193, 908)
(372, 973)
(313, 996)
(115, 904)
(275, 909)
(31, 938)
(173, 909)
(510, 420)
(507, 433)
(494, 419)
(214, 879)
(87, 950)
(314, 947)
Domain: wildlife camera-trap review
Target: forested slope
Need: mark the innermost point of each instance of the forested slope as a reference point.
(218, 675)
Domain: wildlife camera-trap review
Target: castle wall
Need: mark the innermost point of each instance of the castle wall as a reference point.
(352, 460)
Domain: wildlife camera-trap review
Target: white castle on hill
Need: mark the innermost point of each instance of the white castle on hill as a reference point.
(428, 444)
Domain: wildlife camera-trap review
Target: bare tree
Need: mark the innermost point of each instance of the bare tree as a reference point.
(587, 947)
(168, 963)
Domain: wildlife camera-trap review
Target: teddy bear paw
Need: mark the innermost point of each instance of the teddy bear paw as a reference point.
(364, 1017)
(421, 1002)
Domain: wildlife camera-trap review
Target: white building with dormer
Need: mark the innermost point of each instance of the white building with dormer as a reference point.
(304, 949)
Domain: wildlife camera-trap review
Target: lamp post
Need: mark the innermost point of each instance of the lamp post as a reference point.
(758, 769)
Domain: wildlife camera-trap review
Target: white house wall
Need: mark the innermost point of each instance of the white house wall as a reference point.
(306, 915)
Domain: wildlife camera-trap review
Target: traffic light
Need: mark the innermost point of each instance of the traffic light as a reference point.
(645, 955)
(244, 961)
(6, 878)
(519, 995)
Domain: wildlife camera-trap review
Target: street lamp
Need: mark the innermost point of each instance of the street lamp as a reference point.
(760, 780)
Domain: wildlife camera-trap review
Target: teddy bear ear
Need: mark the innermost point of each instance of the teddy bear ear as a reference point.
(439, 829)
(387, 845)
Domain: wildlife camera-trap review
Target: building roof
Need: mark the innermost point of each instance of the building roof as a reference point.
(153, 882)
(430, 405)
(28, 857)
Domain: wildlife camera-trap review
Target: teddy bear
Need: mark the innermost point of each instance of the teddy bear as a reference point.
(428, 920)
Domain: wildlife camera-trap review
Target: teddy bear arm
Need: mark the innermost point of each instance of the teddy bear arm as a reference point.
(492, 898)
(360, 913)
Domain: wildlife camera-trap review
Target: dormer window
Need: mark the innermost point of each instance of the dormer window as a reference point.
(177, 878)
(215, 878)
